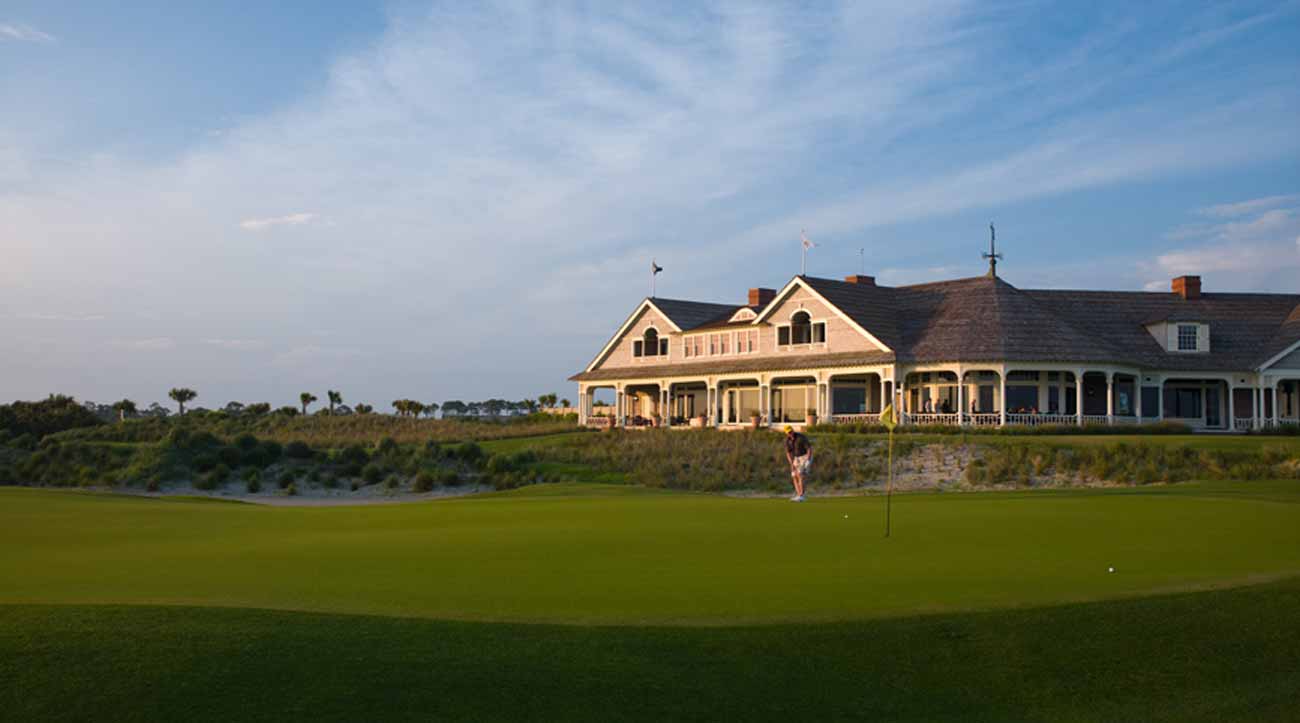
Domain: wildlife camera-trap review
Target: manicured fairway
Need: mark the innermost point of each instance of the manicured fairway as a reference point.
(621, 556)
(1227, 655)
(662, 606)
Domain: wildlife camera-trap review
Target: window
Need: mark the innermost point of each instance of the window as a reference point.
(722, 342)
(651, 345)
(663, 347)
(751, 341)
(713, 344)
(801, 328)
(1187, 337)
(699, 346)
(638, 346)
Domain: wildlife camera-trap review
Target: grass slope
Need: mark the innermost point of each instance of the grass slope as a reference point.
(619, 555)
(1210, 656)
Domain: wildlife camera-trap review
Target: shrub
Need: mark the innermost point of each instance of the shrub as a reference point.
(386, 446)
(372, 473)
(286, 478)
(392, 482)
(469, 452)
(424, 481)
(253, 486)
(220, 473)
(449, 477)
(291, 490)
(204, 461)
(298, 450)
(229, 456)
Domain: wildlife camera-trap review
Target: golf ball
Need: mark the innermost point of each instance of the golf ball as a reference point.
(846, 517)
(1111, 570)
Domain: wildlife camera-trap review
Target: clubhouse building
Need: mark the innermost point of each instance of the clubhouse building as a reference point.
(974, 352)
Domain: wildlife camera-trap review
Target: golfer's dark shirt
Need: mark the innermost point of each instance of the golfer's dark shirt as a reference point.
(797, 445)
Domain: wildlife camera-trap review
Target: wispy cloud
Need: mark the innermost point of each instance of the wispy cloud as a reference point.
(235, 343)
(1258, 250)
(60, 317)
(19, 31)
(260, 224)
(1241, 208)
(152, 344)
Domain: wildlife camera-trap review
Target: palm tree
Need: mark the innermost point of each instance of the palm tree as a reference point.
(564, 403)
(307, 399)
(335, 398)
(431, 409)
(181, 395)
(363, 409)
(123, 408)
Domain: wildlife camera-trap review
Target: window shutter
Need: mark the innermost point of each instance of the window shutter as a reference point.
(1203, 337)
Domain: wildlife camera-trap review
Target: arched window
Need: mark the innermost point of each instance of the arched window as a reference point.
(801, 328)
(651, 342)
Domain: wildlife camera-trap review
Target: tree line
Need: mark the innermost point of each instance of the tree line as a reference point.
(126, 409)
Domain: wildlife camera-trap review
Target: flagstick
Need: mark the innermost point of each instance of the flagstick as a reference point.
(889, 490)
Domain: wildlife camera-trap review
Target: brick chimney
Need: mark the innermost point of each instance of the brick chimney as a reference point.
(861, 280)
(761, 297)
(1188, 287)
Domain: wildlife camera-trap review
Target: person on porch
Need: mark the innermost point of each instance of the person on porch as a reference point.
(799, 452)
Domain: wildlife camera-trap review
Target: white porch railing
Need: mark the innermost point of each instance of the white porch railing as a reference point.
(855, 419)
(1096, 419)
(983, 420)
(929, 419)
(600, 422)
(1035, 420)
(1243, 425)
(1127, 420)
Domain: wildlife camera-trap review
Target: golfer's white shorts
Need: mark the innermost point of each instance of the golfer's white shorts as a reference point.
(801, 465)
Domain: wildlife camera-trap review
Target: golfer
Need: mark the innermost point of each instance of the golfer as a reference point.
(799, 452)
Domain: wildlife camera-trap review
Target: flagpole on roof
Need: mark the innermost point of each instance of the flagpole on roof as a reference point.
(655, 268)
(805, 243)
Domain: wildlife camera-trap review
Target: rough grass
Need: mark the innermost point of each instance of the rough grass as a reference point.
(325, 431)
(708, 460)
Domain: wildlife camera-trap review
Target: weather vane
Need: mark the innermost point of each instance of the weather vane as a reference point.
(993, 256)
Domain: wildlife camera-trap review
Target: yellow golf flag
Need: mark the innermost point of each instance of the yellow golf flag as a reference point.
(887, 417)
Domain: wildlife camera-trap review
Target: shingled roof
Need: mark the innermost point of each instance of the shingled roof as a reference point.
(985, 319)
(688, 315)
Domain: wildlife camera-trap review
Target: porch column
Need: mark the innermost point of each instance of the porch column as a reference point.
(1257, 405)
(666, 404)
(884, 399)
(1275, 413)
(620, 406)
(1160, 399)
(1137, 392)
(765, 404)
(961, 397)
(1042, 404)
(1002, 398)
(1078, 396)
(823, 401)
(711, 402)
(1232, 407)
(1110, 397)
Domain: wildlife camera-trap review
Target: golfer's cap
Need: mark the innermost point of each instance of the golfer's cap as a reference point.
(788, 429)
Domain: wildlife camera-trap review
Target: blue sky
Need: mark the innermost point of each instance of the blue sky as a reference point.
(462, 200)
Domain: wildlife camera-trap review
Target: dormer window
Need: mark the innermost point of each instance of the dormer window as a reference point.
(801, 330)
(650, 344)
(1187, 336)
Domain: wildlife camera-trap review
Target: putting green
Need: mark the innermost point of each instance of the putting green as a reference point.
(616, 555)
